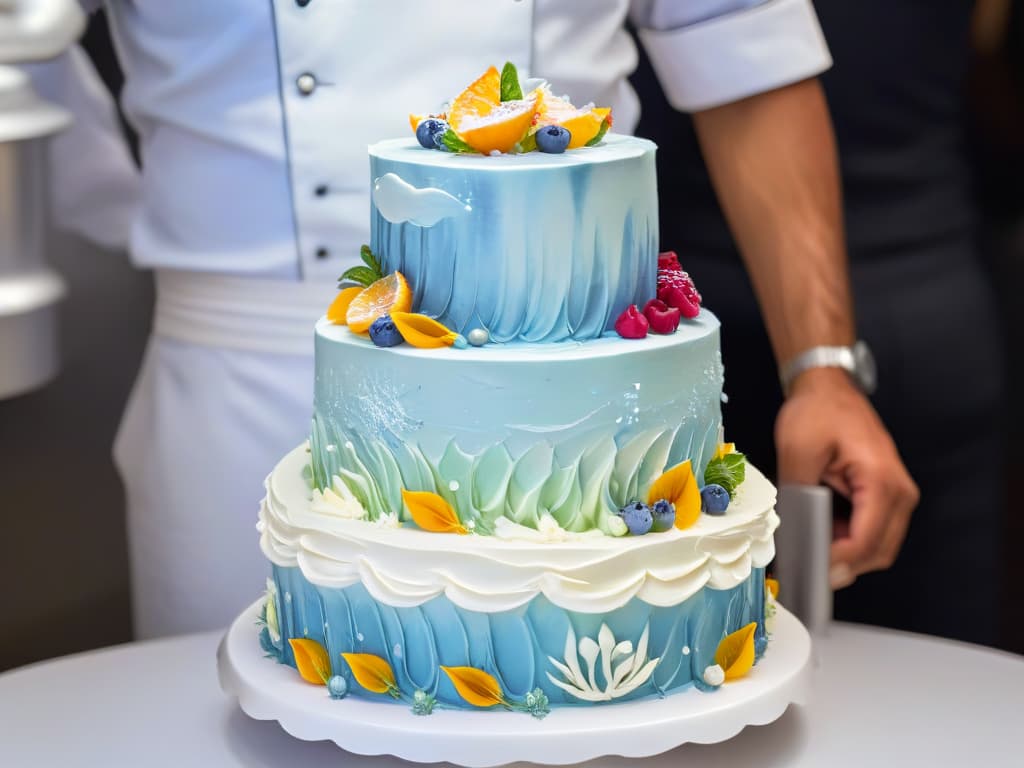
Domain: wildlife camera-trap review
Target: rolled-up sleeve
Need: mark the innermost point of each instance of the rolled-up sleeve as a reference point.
(711, 52)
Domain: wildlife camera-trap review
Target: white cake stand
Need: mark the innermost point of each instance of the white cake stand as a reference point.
(479, 739)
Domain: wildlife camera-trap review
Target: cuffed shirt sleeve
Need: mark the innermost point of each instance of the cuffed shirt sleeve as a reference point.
(710, 52)
(95, 187)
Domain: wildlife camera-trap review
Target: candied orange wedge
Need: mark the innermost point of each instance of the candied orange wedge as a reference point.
(389, 294)
(485, 122)
(337, 313)
(500, 129)
(583, 124)
(482, 95)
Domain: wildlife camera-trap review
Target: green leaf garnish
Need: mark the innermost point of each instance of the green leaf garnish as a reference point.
(451, 140)
(510, 88)
(728, 471)
(363, 276)
(529, 144)
(605, 124)
(371, 261)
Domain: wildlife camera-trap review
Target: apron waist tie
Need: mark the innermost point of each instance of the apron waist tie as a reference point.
(247, 313)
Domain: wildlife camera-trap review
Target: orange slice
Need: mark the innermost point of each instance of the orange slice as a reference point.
(582, 124)
(390, 293)
(487, 124)
(500, 129)
(338, 310)
(483, 95)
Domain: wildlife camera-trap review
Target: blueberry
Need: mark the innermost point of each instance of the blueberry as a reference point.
(664, 514)
(429, 131)
(383, 332)
(553, 139)
(714, 499)
(637, 517)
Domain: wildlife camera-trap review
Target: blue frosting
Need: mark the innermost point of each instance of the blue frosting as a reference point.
(553, 247)
(573, 430)
(516, 646)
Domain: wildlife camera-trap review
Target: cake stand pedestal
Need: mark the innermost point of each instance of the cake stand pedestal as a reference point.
(269, 691)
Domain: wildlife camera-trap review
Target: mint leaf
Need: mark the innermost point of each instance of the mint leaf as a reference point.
(371, 261)
(510, 90)
(363, 276)
(597, 140)
(529, 144)
(728, 471)
(451, 140)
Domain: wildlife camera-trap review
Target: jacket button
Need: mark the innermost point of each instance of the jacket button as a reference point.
(320, 190)
(302, 3)
(306, 83)
(322, 253)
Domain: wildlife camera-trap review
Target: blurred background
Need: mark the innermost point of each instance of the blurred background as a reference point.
(63, 549)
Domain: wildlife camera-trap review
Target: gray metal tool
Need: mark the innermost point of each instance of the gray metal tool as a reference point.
(802, 545)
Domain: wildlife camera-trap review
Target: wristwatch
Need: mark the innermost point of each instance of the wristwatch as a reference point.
(856, 361)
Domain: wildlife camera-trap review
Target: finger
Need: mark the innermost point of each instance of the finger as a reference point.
(896, 531)
(868, 524)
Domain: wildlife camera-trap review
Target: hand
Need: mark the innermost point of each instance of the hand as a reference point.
(827, 432)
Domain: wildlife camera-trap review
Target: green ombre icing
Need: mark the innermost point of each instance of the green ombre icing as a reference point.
(581, 487)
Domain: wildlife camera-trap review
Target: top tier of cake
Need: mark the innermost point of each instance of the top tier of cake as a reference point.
(531, 247)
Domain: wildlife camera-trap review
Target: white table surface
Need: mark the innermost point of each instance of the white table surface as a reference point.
(881, 698)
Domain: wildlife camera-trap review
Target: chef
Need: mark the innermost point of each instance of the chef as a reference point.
(253, 120)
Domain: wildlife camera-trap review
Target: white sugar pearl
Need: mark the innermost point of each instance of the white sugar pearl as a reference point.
(478, 337)
(714, 675)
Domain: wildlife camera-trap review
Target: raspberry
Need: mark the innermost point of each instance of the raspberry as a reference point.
(675, 287)
(661, 317)
(631, 324)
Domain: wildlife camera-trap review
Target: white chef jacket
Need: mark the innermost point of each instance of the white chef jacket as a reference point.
(253, 118)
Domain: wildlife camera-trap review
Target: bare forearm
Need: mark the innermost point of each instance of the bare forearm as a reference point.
(772, 160)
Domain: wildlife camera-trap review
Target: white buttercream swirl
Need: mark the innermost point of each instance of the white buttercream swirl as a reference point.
(579, 572)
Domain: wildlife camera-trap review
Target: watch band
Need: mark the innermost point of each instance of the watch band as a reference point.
(855, 360)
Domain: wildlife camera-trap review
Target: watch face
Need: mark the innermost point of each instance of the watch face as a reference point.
(864, 367)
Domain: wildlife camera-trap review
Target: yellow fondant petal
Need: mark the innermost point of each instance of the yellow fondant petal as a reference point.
(735, 653)
(475, 686)
(339, 307)
(312, 660)
(724, 448)
(422, 331)
(432, 513)
(371, 672)
(772, 585)
(679, 486)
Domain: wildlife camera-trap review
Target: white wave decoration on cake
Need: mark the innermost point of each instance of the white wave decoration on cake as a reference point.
(631, 669)
(404, 566)
(399, 202)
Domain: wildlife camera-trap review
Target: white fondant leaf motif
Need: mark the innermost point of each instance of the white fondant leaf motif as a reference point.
(628, 675)
(399, 202)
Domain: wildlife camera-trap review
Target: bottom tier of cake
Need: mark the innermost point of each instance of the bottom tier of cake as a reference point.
(568, 656)
(523, 621)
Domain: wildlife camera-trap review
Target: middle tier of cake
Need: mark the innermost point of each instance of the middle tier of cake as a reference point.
(569, 432)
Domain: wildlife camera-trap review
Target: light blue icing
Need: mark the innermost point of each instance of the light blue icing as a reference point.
(516, 646)
(573, 430)
(555, 248)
